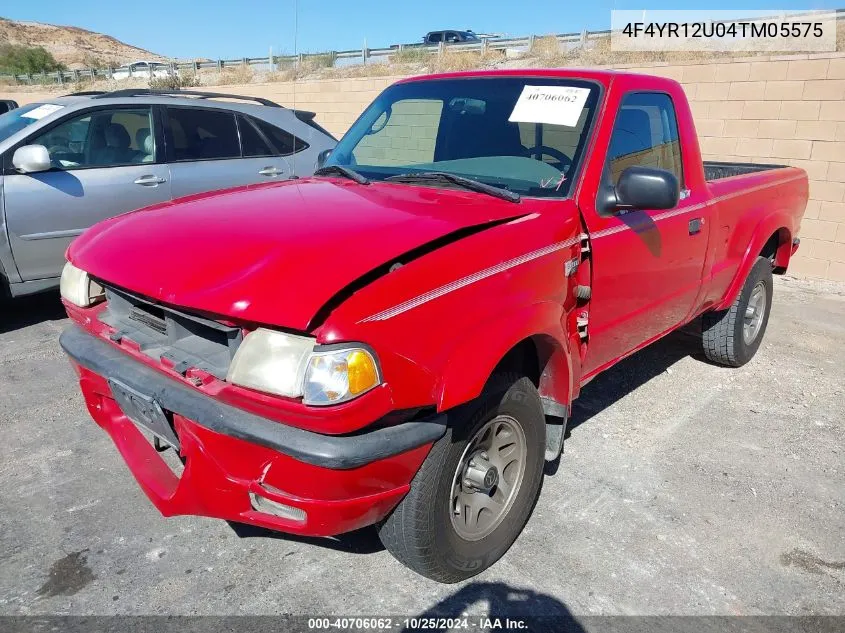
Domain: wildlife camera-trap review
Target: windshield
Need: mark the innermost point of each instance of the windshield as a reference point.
(15, 120)
(526, 135)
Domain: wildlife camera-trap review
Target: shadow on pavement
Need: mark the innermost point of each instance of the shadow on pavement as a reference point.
(503, 602)
(16, 314)
(615, 383)
(363, 541)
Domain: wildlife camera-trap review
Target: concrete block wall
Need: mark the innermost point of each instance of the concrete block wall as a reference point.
(337, 102)
(777, 109)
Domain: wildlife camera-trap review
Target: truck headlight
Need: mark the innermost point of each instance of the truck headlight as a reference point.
(339, 375)
(78, 288)
(287, 365)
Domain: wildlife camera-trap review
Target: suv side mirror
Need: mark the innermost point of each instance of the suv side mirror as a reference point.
(30, 159)
(322, 157)
(7, 105)
(647, 188)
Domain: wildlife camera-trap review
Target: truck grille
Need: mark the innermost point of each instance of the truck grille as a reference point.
(158, 323)
(164, 334)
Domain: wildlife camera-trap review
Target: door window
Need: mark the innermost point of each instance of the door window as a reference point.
(103, 138)
(283, 142)
(253, 143)
(202, 134)
(646, 134)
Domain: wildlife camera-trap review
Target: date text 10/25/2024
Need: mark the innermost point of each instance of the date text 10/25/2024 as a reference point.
(418, 623)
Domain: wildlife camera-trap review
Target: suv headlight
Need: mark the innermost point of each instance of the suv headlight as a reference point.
(78, 288)
(288, 365)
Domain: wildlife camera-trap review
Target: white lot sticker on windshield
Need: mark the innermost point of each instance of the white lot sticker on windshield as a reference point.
(557, 105)
(41, 111)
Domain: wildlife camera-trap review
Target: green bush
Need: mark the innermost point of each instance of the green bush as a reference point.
(175, 82)
(323, 60)
(410, 56)
(23, 60)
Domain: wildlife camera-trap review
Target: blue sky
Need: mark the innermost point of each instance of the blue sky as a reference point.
(235, 28)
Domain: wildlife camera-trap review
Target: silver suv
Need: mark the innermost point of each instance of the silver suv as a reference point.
(72, 161)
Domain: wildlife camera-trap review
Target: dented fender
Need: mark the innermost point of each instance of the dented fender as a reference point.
(489, 343)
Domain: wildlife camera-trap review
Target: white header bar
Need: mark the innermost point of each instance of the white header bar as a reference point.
(772, 31)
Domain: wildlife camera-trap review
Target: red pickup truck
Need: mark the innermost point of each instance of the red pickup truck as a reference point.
(398, 340)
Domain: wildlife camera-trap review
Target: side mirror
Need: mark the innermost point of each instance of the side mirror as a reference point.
(647, 188)
(7, 105)
(30, 159)
(322, 157)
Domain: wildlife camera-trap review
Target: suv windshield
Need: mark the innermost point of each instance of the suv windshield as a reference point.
(15, 120)
(526, 135)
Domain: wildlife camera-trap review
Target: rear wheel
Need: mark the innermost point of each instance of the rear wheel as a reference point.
(731, 337)
(476, 489)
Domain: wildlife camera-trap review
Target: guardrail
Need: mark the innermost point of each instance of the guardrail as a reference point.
(329, 58)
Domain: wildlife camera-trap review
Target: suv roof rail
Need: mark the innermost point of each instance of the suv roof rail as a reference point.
(201, 94)
(85, 93)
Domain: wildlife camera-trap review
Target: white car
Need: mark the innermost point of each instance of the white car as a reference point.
(143, 69)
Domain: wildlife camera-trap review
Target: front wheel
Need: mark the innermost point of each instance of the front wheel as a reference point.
(476, 489)
(731, 337)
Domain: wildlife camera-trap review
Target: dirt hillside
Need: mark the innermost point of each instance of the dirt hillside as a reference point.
(74, 47)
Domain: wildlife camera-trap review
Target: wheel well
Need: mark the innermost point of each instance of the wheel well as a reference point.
(522, 359)
(537, 358)
(778, 249)
(540, 359)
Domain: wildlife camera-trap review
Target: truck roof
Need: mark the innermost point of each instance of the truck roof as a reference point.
(603, 76)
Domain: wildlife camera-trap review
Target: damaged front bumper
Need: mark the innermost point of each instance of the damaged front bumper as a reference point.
(243, 467)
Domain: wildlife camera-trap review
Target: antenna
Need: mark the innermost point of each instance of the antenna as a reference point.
(295, 72)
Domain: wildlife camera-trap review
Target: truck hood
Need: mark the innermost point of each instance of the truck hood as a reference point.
(275, 254)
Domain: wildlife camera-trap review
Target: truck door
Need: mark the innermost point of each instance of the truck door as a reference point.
(646, 264)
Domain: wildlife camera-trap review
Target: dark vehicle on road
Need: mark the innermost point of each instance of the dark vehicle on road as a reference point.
(450, 37)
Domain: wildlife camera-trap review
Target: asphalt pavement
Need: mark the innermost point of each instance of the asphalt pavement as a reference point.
(685, 489)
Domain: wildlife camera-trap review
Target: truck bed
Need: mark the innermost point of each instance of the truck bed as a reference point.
(715, 170)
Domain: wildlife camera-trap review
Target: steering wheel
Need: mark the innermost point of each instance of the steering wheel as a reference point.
(538, 151)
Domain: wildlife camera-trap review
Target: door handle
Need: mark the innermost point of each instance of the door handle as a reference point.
(695, 225)
(271, 171)
(150, 180)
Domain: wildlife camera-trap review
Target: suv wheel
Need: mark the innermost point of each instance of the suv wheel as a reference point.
(731, 337)
(476, 489)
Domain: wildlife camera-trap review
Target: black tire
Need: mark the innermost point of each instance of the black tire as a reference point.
(5, 290)
(420, 534)
(722, 332)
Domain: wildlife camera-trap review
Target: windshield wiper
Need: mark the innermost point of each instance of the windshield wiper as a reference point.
(340, 170)
(461, 181)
